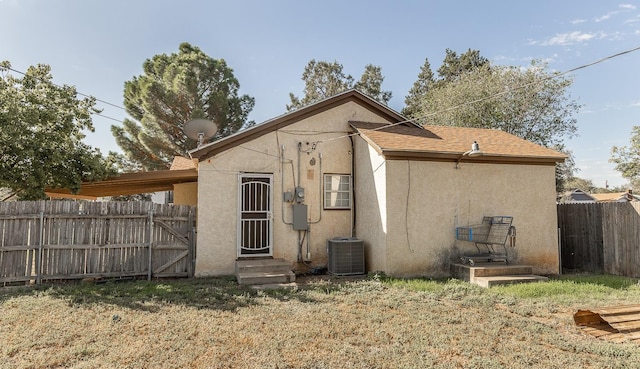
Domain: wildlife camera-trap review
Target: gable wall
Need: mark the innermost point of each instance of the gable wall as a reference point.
(426, 201)
(218, 188)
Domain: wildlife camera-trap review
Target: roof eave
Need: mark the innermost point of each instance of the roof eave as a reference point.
(284, 120)
(455, 156)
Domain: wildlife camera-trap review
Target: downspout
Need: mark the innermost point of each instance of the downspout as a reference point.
(353, 191)
(300, 239)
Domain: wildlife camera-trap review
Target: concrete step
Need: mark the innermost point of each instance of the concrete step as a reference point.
(262, 278)
(488, 270)
(467, 272)
(507, 279)
(262, 265)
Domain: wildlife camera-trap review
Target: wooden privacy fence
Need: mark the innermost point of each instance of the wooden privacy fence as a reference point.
(600, 237)
(53, 240)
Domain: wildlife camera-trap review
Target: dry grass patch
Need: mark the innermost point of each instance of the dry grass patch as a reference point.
(374, 323)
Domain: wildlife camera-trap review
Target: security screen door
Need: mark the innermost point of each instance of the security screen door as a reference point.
(255, 228)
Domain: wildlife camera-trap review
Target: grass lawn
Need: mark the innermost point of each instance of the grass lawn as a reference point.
(338, 323)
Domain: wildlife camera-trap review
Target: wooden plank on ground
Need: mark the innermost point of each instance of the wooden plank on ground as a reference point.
(613, 323)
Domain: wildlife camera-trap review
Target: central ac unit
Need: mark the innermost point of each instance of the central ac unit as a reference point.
(346, 256)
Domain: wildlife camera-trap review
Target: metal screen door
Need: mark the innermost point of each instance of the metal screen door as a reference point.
(255, 228)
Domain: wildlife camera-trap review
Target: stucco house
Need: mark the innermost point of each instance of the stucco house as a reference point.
(349, 166)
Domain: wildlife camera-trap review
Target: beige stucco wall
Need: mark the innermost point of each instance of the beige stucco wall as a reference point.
(218, 188)
(430, 199)
(185, 193)
(371, 204)
(407, 211)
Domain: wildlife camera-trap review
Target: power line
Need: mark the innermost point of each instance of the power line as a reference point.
(108, 117)
(79, 93)
(401, 122)
(491, 96)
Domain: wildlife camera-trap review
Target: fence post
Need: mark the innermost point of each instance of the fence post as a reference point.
(192, 244)
(150, 274)
(559, 251)
(40, 243)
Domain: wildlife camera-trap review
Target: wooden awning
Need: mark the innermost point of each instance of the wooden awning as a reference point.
(128, 184)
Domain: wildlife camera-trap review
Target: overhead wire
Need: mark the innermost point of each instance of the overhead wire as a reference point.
(400, 122)
(556, 75)
(78, 92)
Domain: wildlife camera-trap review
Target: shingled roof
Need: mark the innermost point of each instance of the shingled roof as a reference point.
(403, 139)
(410, 141)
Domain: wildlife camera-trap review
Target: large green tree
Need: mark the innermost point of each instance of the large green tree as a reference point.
(530, 103)
(324, 79)
(453, 66)
(173, 90)
(41, 133)
(627, 158)
(419, 90)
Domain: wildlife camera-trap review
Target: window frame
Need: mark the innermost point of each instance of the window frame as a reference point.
(328, 192)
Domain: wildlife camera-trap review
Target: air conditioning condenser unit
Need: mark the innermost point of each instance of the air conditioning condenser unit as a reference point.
(346, 256)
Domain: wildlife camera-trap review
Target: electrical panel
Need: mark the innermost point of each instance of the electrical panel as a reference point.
(300, 222)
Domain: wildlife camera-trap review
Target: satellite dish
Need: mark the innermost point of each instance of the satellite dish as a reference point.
(199, 129)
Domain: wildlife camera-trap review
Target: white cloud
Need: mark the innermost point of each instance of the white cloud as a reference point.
(578, 21)
(569, 38)
(627, 6)
(606, 16)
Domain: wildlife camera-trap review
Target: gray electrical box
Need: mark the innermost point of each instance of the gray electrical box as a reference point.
(300, 217)
(287, 196)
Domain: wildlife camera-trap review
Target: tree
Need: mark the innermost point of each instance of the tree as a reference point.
(323, 79)
(173, 90)
(419, 90)
(453, 66)
(585, 185)
(370, 84)
(627, 158)
(41, 132)
(565, 172)
(529, 103)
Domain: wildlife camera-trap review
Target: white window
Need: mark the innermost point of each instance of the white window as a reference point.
(337, 191)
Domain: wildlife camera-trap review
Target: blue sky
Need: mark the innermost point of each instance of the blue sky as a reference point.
(98, 45)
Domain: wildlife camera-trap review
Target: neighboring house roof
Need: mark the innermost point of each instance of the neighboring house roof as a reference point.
(577, 196)
(129, 184)
(615, 196)
(449, 143)
(284, 120)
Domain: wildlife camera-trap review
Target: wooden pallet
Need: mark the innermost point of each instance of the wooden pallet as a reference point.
(614, 323)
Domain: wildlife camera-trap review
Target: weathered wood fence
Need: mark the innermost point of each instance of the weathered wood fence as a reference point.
(54, 240)
(600, 237)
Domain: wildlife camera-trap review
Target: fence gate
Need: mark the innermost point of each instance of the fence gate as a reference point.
(52, 240)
